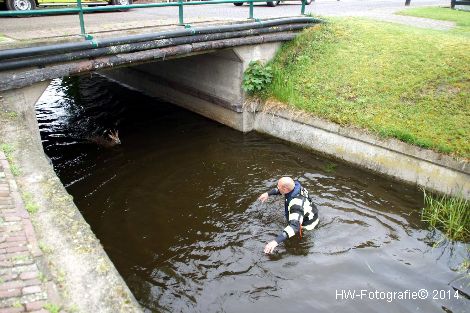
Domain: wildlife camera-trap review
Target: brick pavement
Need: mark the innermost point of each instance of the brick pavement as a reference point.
(24, 283)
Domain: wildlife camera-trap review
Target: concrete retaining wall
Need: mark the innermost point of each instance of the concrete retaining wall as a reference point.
(391, 157)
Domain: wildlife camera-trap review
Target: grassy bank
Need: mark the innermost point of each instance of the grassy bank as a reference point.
(396, 81)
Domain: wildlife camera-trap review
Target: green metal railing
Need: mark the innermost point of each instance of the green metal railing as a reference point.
(180, 4)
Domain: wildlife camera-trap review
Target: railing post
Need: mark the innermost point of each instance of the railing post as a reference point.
(302, 10)
(180, 12)
(251, 10)
(80, 16)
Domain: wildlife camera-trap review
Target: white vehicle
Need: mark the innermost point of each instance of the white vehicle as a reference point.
(22, 5)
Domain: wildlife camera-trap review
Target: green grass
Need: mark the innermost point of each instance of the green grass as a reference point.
(461, 18)
(15, 170)
(8, 151)
(52, 308)
(17, 304)
(396, 81)
(449, 214)
(330, 167)
(29, 203)
(3, 37)
(45, 248)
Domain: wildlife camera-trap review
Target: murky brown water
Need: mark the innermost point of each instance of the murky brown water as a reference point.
(175, 209)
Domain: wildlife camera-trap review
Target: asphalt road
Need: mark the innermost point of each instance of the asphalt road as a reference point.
(141, 20)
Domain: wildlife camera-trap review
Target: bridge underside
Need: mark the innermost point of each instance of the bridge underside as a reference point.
(208, 84)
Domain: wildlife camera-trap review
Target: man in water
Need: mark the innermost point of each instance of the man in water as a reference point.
(300, 211)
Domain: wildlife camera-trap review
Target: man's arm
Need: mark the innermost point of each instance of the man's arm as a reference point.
(274, 192)
(265, 195)
(296, 216)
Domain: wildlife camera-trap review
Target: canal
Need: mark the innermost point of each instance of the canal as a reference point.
(174, 206)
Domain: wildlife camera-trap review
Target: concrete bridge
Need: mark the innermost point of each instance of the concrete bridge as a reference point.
(200, 68)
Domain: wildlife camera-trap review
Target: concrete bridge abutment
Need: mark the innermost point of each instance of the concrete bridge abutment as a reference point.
(209, 84)
(21, 102)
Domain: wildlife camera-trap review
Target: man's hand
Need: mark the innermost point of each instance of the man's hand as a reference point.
(263, 197)
(270, 247)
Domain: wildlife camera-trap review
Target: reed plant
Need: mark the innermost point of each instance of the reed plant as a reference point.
(449, 214)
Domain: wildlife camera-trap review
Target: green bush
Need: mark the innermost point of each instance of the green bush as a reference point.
(257, 76)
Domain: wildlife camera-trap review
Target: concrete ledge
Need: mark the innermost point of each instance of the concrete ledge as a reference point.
(391, 157)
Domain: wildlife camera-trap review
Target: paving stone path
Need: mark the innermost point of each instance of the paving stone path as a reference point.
(389, 15)
(24, 283)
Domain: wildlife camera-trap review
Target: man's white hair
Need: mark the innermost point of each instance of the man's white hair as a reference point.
(286, 182)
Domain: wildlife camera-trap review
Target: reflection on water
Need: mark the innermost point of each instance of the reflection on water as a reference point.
(174, 207)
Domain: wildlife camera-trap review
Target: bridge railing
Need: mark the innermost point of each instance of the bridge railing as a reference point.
(80, 10)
